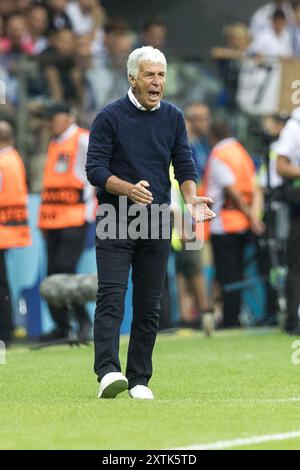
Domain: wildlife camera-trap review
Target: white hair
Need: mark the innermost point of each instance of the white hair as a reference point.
(144, 54)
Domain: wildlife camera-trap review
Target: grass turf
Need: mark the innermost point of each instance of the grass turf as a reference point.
(206, 390)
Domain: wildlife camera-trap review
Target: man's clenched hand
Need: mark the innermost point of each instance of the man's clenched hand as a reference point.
(139, 194)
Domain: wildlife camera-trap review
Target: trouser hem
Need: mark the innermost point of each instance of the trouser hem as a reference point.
(132, 383)
(100, 374)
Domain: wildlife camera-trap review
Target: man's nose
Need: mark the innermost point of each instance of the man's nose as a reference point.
(156, 81)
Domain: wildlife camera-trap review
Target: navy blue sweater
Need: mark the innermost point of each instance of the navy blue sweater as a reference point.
(139, 145)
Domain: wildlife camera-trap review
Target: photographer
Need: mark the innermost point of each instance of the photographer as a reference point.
(288, 166)
(269, 206)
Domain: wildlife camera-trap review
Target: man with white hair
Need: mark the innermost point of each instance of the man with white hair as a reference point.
(288, 166)
(132, 144)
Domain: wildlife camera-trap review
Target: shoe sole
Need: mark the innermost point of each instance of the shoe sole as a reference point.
(112, 390)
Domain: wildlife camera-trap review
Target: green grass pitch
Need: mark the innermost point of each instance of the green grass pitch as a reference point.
(237, 384)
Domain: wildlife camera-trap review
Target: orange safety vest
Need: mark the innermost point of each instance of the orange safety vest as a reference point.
(235, 156)
(62, 202)
(14, 229)
(202, 228)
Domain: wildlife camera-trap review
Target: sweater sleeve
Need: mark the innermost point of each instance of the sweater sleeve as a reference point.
(100, 150)
(184, 166)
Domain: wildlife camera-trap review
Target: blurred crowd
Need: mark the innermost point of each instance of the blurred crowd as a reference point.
(63, 50)
(79, 52)
(71, 51)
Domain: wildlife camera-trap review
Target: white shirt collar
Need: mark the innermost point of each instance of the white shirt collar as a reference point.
(137, 104)
(67, 133)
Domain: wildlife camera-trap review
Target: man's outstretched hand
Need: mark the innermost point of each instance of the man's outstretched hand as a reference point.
(199, 208)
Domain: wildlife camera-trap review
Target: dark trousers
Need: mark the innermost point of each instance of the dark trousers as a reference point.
(228, 252)
(64, 247)
(264, 263)
(148, 259)
(6, 317)
(293, 278)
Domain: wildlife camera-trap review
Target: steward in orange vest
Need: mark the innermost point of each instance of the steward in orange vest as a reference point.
(62, 196)
(67, 206)
(229, 179)
(232, 215)
(14, 229)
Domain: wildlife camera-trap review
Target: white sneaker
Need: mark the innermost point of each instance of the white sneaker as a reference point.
(141, 392)
(112, 384)
(208, 323)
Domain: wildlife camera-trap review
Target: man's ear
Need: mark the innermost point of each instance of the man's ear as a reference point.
(132, 81)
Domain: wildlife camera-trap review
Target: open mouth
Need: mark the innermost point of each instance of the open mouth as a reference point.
(153, 95)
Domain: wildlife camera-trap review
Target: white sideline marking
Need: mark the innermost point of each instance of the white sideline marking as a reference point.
(262, 400)
(242, 441)
(241, 401)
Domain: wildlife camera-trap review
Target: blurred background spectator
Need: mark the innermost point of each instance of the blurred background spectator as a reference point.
(198, 120)
(229, 58)
(274, 40)
(62, 77)
(58, 17)
(38, 23)
(104, 80)
(295, 29)
(7, 8)
(16, 39)
(154, 33)
(87, 17)
(262, 18)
